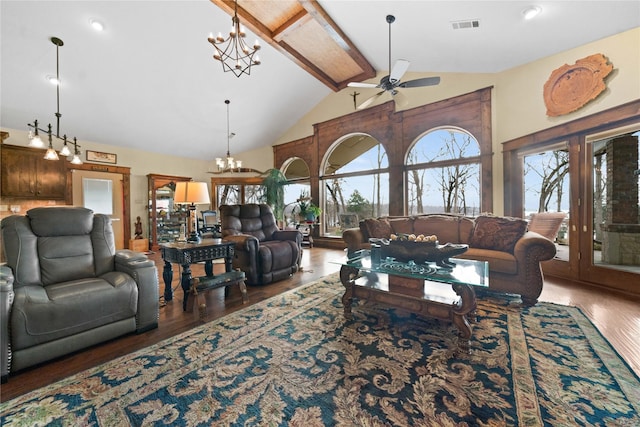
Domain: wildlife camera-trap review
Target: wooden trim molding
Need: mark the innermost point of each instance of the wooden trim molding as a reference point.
(126, 190)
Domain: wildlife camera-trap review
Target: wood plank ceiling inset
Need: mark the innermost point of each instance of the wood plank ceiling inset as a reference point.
(306, 34)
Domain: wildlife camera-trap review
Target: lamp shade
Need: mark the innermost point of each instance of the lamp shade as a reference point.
(191, 192)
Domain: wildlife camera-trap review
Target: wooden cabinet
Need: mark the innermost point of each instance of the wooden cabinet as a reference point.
(26, 174)
(165, 217)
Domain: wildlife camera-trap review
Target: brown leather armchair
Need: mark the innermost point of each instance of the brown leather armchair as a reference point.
(265, 253)
(65, 287)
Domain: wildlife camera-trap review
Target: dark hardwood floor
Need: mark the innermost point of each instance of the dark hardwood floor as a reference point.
(616, 315)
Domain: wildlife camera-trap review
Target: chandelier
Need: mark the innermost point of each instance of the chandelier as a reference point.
(234, 53)
(228, 164)
(34, 136)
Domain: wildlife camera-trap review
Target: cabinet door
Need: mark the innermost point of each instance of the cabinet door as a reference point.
(26, 174)
(52, 179)
(18, 173)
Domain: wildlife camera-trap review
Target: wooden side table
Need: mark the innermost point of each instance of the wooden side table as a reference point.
(187, 253)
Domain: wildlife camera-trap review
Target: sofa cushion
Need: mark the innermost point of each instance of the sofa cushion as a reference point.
(377, 228)
(499, 262)
(465, 229)
(402, 225)
(42, 314)
(497, 233)
(443, 226)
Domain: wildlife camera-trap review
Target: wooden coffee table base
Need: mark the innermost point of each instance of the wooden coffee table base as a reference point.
(414, 301)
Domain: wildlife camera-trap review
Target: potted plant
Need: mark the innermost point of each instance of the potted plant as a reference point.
(274, 182)
(307, 210)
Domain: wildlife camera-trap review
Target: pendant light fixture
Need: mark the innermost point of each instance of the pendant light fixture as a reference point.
(34, 136)
(228, 164)
(234, 53)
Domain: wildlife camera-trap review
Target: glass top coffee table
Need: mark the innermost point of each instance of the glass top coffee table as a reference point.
(416, 287)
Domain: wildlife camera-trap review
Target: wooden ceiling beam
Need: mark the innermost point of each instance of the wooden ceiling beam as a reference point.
(304, 32)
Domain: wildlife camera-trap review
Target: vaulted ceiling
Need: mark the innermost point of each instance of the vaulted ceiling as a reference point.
(149, 81)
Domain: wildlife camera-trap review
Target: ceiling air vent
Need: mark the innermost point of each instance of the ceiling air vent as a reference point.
(469, 23)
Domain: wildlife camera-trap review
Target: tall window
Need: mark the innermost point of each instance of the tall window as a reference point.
(354, 183)
(297, 172)
(443, 173)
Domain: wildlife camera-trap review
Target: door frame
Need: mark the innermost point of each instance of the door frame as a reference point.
(576, 133)
(126, 191)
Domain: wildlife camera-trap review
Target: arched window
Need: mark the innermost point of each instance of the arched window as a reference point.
(297, 173)
(354, 183)
(443, 173)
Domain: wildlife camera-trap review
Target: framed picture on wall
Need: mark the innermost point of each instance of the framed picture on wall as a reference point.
(97, 156)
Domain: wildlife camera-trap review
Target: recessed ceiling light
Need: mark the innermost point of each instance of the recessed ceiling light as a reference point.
(531, 12)
(97, 25)
(53, 80)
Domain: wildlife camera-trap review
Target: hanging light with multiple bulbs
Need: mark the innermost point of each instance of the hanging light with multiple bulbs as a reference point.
(228, 164)
(34, 136)
(234, 53)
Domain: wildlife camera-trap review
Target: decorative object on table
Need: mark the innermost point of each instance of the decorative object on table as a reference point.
(233, 52)
(510, 377)
(571, 87)
(34, 137)
(420, 249)
(138, 228)
(189, 192)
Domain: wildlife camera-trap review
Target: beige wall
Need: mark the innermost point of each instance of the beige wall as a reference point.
(141, 164)
(518, 110)
(518, 103)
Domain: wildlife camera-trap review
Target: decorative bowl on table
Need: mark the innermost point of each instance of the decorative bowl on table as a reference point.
(407, 248)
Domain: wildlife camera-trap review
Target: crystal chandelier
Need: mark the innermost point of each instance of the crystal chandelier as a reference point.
(34, 136)
(228, 164)
(234, 53)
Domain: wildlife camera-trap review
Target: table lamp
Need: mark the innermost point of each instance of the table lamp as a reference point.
(192, 192)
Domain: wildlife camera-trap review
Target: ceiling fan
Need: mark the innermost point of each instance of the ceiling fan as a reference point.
(391, 83)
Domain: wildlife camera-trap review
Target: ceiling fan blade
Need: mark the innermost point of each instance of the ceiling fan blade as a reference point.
(370, 100)
(427, 81)
(359, 84)
(399, 68)
(400, 99)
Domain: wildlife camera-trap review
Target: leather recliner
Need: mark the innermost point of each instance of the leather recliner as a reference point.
(65, 287)
(264, 252)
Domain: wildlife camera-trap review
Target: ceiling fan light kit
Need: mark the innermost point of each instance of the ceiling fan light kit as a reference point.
(234, 53)
(34, 137)
(391, 83)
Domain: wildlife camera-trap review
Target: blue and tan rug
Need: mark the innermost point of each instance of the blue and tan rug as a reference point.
(294, 361)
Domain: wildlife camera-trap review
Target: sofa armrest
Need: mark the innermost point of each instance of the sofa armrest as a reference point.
(534, 247)
(144, 272)
(244, 242)
(354, 239)
(293, 235)
(6, 300)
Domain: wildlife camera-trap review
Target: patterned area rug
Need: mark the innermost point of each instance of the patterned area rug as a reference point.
(293, 360)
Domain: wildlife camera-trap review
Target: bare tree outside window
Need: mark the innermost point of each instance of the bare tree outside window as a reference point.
(545, 175)
(356, 181)
(444, 173)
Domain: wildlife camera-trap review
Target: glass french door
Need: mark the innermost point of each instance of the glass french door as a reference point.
(608, 228)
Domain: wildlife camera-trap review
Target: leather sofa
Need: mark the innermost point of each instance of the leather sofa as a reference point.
(265, 253)
(514, 253)
(65, 287)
